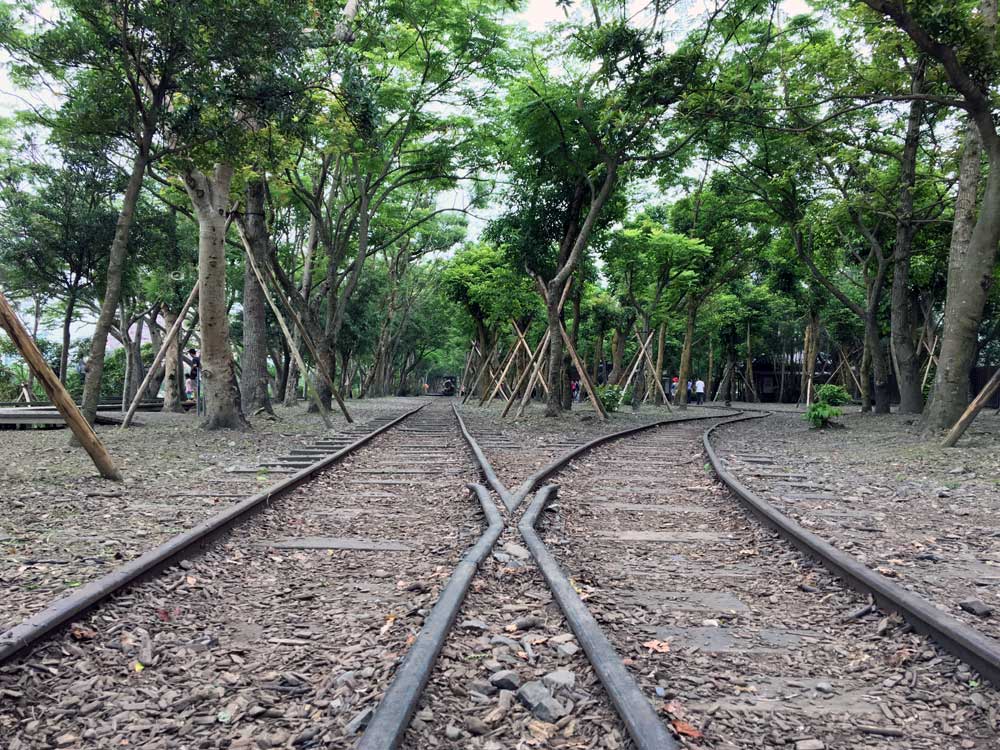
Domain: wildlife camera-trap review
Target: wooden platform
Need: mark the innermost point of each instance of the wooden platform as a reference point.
(46, 416)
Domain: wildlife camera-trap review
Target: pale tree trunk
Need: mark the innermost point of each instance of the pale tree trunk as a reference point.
(113, 283)
(685, 366)
(865, 376)
(557, 373)
(810, 347)
(970, 267)
(253, 371)
(210, 198)
(173, 378)
(904, 352)
(617, 356)
(971, 259)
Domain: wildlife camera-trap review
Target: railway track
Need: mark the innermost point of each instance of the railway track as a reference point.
(284, 631)
(646, 611)
(728, 630)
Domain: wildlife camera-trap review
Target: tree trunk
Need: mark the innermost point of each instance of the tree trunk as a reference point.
(617, 356)
(809, 350)
(598, 356)
(684, 372)
(970, 270)
(880, 366)
(904, 353)
(661, 345)
(253, 371)
(210, 198)
(864, 375)
(113, 280)
(556, 374)
(173, 379)
(67, 322)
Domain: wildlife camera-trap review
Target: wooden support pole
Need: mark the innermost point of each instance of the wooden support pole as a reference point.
(970, 413)
(529, 371)
(582, 372)
(634, 367)
(168, 340)
(484, 367)
(306, 337)
(537, 373)
(498, 381)
(289, 339)
(57, 392)
(649, 361)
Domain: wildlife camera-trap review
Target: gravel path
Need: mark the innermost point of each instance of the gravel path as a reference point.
(62, 526)
(256, 645)
(739, 639)
(920, 514)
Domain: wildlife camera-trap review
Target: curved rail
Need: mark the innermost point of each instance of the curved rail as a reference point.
(643, 723)
(388, 725)
(545, 472)
(484, 463)
(954, 636)
(18, 639)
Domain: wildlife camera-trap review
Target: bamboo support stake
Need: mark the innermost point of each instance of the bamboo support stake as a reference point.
(582, 372)
(970, 413)
(320, 406)
(306, 337)
(57, 393)
(168, 340)
(649, 361)
(529, 371)
(263, 280)
(537, 374)
(498, 381)
(484, 368)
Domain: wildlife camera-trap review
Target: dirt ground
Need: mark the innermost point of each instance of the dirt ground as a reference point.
(61, 525)
(879, 488)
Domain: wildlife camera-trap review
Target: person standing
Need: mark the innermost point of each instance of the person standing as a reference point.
(699, 390)
(192, 378)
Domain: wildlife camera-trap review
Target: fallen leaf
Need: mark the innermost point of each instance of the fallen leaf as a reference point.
(80, 633)
(191, 580)
(660, 647)
(673, 708)
(138, 666)
(388, 624)
(163, 615)
(683, 728)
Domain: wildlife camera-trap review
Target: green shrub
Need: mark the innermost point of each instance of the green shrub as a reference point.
(832, 395)
(819, 414)
(610, 397)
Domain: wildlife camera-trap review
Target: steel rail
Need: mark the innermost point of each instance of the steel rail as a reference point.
(388, 725)
(484, 464)
(545, 472)
(953, 635)
(15, 641)
(643, 723)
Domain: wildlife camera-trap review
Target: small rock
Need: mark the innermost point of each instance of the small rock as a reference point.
(359, 722)
(425, 715)
(808, 589)
(977, 607)
(559, 680)
(502, 640)
(528, 622)
(476, 726)
(710, 623)
(506, 679)
(824, 687)
(809, 745)
(957, 470)
(532, 693)
(567, 649)
(65, 740)
(549, 710)
(516, 550)
(562, 638)
(473, 625)
(482, 687)
(452, 732)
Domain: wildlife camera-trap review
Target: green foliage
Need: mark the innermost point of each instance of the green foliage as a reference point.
(834, 395)
(828, 398)
(610, 397)
(820, 414)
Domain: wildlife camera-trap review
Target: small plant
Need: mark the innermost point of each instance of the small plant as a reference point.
(833, 395)
(820, 414)
(610, 397)
(828, 398)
